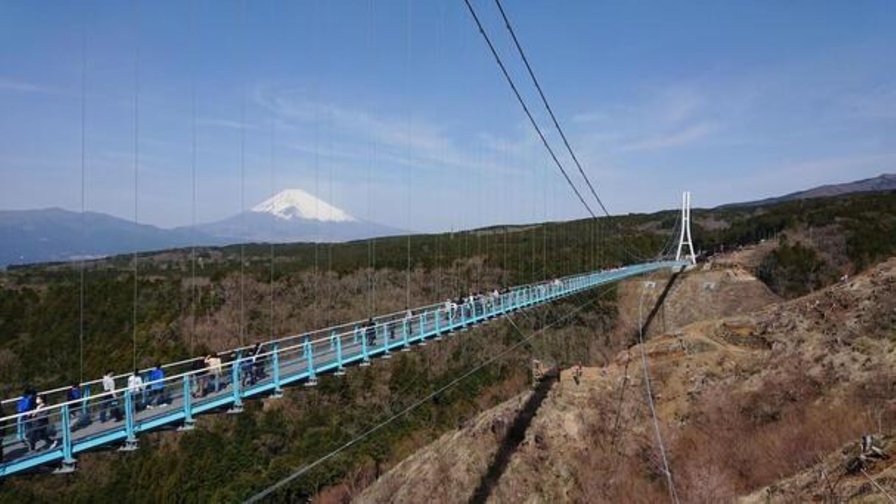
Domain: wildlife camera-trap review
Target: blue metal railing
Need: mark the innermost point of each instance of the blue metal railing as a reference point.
(77, 426)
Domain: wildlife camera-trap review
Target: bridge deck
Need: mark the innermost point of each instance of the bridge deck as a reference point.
(76, 426)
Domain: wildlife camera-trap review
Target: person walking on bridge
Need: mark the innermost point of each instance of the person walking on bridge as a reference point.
(135, 388)
(370, 332)
(156, 387)
(77, 413)
(213, 363)
(40, 427)
(24, 405)
(109, 401)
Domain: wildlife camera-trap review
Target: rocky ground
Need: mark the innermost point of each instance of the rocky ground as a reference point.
(758, 400)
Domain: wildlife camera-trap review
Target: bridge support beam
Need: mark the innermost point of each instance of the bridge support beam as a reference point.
(437, 324)
(365, 355)
(130, 442)
(275, 371)
(423, 328)
(404, 335)
(308, 350)
(68, 462)
(189, 424)
(236, 386)
(336, 341)
(386, 329)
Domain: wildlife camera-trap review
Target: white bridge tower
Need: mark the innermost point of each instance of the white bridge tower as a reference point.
(685, 237)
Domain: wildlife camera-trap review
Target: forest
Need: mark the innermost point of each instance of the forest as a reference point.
(186, 302)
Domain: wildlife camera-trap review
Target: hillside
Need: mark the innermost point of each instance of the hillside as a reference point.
(187, 307)
(881, 183)
(745, 402)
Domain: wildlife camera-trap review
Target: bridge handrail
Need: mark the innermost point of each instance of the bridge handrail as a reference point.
(302, 359)
(325, 333)
(231, 351)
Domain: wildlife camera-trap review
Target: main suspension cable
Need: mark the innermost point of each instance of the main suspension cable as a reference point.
(82, 264)
(135, 257)
(526, 108)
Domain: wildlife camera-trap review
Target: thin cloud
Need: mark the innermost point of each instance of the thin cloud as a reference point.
(674, 139)
(224, 123)
(590, 117)
(420, 144)
(17, 86)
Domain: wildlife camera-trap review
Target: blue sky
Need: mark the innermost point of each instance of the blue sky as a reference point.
(396, 112)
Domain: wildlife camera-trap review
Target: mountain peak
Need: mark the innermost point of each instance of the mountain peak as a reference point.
(292, 204)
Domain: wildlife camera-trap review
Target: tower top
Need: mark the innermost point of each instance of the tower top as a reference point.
(685, 237)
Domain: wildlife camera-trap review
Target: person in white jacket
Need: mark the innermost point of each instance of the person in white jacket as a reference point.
(108, 402)
(135, 387)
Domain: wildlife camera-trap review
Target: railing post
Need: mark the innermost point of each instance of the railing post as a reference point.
(189, 423)
(385, 335)
(437, 323)
(20, 426)
(68, 462)
(422, 323)
(235, 386)
(275, 370)
(308, 350)
(404, 335)
(130, 442)
(340, 369)
(85, 408)
(365, 356)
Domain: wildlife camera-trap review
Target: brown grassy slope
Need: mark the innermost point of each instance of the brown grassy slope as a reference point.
(743, 401)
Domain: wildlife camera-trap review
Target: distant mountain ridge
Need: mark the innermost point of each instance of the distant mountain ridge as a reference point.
(55, 234)
(884, 182)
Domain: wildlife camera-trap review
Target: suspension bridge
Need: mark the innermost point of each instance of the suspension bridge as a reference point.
(187, 392)
(104, 419)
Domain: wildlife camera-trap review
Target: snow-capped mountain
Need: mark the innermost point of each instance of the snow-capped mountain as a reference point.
(297, 204)
(54, 234)
(294, 215)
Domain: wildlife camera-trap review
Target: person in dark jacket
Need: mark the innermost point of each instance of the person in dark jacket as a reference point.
(257, 368)
(77, 413)
(370, 332)
(40, 426)
(24, 405)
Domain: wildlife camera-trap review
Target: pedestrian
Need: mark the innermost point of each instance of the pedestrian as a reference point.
(156, 387)
(213, 365)
(199, 370)
(409, 321)
(25, 404)
(110, 401)
(40, 426)
(577, 373)
(370, 332)
(76, 411)
(135, 388)
(258, 373)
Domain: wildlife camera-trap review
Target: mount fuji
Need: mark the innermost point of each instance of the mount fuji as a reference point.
(54, 234)
(294, 215)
